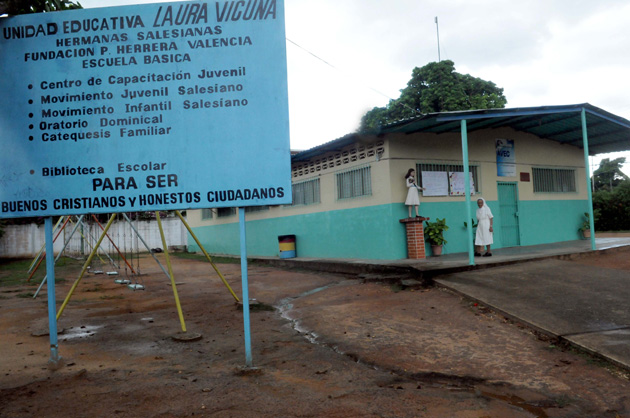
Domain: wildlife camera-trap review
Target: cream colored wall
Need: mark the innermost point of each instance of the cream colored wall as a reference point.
(390, 158)
(372, 153)
(530, 151)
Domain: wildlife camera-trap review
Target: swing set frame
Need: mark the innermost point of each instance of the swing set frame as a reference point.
(104, 234)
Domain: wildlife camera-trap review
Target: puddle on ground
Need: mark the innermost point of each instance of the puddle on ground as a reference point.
(80, 332)
(286, 305)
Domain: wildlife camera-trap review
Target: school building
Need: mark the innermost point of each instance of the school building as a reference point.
(529, 164)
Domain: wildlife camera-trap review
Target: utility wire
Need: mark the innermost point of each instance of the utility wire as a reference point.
(337, 69)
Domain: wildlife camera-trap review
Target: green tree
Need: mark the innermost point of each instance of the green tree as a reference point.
(614, 208)
(609, 175)
(436, 87)
(18, 7)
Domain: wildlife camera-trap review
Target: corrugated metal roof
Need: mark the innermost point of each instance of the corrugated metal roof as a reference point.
(606, 132)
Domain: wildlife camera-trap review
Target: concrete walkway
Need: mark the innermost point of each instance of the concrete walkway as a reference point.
(585, 306)
(450, 263)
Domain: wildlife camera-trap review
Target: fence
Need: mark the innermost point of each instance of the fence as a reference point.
(27, 240)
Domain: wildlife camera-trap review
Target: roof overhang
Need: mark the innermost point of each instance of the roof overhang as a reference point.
(606, 132)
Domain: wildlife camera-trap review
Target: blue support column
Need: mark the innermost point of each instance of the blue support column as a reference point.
(52, 308)
(245, 285)
(469, 234)
(588, 179)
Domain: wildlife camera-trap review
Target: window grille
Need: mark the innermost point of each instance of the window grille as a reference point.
(553, 180)
(448, 166)
(306, 192)
(206, 214)
(224, 212)
(249, 209)
(354, 183)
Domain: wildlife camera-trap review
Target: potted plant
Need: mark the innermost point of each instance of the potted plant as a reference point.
(585, 228)
(474, 228)
(434, 233)
(473, 223)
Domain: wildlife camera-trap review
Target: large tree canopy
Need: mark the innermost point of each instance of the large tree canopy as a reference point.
(609, 174)
(436, 87)
(18, 7)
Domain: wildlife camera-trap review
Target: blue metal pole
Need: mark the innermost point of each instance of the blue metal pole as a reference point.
(245, 285)
(469, 234)
(588, 179)
(52, 308)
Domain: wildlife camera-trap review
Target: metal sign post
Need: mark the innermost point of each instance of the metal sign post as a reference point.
(52, 308)
(245, 285)
(145, 108)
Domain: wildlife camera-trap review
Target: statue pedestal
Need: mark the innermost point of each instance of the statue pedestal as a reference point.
(415, 237)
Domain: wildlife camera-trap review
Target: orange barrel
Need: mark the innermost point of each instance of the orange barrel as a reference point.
(287, 246)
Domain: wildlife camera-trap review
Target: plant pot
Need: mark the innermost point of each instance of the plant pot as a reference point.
(436, 250)
(586, 233)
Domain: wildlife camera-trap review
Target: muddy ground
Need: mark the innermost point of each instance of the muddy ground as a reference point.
(323, 345)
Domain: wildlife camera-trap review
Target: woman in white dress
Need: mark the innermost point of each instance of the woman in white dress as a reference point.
(484, 228)
(412, 191)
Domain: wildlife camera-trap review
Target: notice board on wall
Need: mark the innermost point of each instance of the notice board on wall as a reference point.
(148, 107)
(457, 183)
(435, 183)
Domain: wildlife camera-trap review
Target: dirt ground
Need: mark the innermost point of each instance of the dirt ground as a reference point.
(323, 345)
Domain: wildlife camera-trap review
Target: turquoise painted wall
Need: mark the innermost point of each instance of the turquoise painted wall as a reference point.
(371, 232)
(374, 232)
(540, 222)
(551, 220)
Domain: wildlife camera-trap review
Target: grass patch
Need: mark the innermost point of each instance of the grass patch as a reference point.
(108, 297)
(563, 401)
(201, 257)
(256, 306)
(14, 272)
(396, 287)
(261, 307)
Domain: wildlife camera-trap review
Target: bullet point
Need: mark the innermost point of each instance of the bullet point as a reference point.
(30, 101)
(30, 86)
(32, 171)
(30, 115)
(30, 126)
(30, 138)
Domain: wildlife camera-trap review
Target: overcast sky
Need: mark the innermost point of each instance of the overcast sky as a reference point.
(541, 52)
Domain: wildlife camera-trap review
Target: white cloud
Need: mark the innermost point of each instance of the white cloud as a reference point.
(541, 52)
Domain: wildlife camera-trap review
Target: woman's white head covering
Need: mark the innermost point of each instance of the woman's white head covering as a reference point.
(484, 211)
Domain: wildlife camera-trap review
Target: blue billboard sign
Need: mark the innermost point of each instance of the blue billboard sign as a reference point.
(141, 108)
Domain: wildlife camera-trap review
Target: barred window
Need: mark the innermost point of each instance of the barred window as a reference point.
(224, 212)
(553, 180)
(306, 192)
(250, 209)
(206, 214)
(448, 167)
(354, 183)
